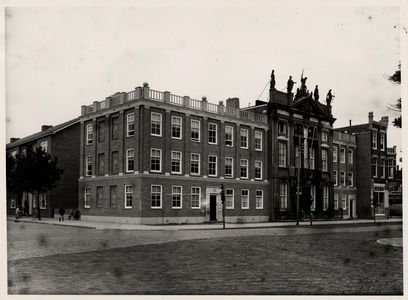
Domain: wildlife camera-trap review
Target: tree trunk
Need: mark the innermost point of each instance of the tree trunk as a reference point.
(38, 205)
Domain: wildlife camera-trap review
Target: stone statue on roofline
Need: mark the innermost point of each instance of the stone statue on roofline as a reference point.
(290, 84)
(273, 80)
(329, 97)
(316, 93)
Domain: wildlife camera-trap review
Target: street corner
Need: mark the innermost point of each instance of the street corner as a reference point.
(396, 242)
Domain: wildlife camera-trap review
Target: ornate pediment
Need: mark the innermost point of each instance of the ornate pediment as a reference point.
(309, 106)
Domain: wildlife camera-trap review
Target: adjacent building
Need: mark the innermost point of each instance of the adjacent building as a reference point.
(61, 141)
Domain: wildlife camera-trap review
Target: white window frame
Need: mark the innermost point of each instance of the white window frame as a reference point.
(176, 196)
(375, 139)
(195, 161)
(325, 197)
(350, 156)
(89, 134)
(130, 156)
(229, 162)
(229, 198)
(156, 124)
(350, 179)
(176, 127)
(324, 160)
(245, 199)
(342, 155)
(153, 155)
(156, 193)
(375, 164)
(176, 162)
(195, 196)
(87, 197)
(344, 201)
(212, 133)
(336, 201)
(244, 138)
(390, 164)
(324, 136)
(312, 158)
(229, 136)
(258, 169)
(195, 129)
(342, 178)
(335, 153)
(128, 196)
(259, 199)
(244, 168)
(88, 165)
(258, 140)
(283, 149)
(335, 177)
(283, 196)
(382, 140)
(130, 124)
(212, 165)
(313, 194)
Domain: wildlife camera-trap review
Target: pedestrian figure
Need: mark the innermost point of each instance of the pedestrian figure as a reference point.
(62, 212)
(17, 215)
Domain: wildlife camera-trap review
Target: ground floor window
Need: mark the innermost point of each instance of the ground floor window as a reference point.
(283, 196)
(325, 197)
(87, 203)
(244, 199)
(156, 195)
(195, 197)
(43, 201)
(259, 199)
(128, 196)
(113, 191)
(336, 201)
(12, 202)
(313, 194)
(176, 197)
(343, 201)
(99, 199)
(229, 198)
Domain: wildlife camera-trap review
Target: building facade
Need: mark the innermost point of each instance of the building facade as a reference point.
(150, 157)
(372, 177)
(344, 175)
(61, 141)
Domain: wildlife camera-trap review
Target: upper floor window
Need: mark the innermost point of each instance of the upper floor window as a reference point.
(350, 179)
(382, 141)
(44, 146)
(335, 177)
(229, 136)
(115, 162)
(324, 136)
(350, 156)
(176, 123)
(195, 164)
(244, 138)
(382, 168)
(89, 134)
(282, 154)
(334, 154)
(374, 139)
(258, 169)
(258, 140)
(101, 164)
(101, 131)
(390, 168)
(175, 162)
(195, 130)
(156, 124)
(212, 165)
(342, 178)
(324, 160)
(115, 128)
(89, 165)
(229, 167)
(282, 128)
(130, 124)
(130, 160)
(375, 166)
(312, 158)
(342, 155)
(244, 168)
(212, 133)
(155, 160)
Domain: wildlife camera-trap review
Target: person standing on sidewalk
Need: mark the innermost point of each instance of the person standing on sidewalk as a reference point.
(17, 215)
(62, 212)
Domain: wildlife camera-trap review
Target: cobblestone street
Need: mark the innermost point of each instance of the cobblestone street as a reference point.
(321, 260)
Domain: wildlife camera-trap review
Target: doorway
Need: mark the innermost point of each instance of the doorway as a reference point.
(213, 207)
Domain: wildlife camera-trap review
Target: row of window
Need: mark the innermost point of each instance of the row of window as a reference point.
(26, 201)
(309, 157)
(311, 131)
(382, 168)
(350, 182)
(343, 155)
(156, 163)
(382, 140)
(283, 190)
(193, 200)
(156, 129)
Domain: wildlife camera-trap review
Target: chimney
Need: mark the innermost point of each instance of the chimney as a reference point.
(12, 140)
(45, 127)
(370, 117)
(232, 102)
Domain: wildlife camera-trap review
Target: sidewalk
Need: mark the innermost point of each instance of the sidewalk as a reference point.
(205, 226)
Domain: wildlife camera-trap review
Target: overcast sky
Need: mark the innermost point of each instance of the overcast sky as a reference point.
(60, 58)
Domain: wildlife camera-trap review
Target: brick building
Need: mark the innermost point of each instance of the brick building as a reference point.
(344, 175)
(152, 157)
(372, 175)
(61, 141)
